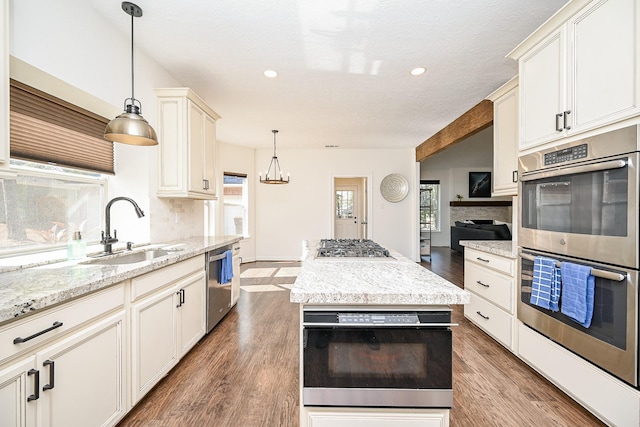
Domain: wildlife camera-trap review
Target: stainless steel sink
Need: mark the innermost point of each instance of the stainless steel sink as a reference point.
(131, 258)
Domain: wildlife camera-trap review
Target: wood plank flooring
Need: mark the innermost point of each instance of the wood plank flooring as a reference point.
(245, 372)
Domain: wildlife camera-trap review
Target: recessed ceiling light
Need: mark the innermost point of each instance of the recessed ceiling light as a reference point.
(270, 73)
(418, 71)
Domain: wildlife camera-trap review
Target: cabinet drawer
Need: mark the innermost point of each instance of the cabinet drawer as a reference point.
(494, 321)
(489, 284)
(506, 265)
(71, 315)
(150, 282)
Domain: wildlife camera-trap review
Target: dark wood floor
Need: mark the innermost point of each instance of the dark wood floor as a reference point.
(245, 372)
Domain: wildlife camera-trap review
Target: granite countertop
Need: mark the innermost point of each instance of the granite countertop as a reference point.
(505, 248)
(24, 291)
(396, 281)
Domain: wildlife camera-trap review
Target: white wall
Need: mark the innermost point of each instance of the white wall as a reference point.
(69, 40)
(302, 210)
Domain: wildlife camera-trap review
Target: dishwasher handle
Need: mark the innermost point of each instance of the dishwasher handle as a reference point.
(217, 257)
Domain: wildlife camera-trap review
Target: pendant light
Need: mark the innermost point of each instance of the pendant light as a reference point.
(275, 164)
(130, 127)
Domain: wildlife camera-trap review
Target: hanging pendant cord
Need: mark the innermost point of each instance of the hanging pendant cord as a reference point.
(133, 98)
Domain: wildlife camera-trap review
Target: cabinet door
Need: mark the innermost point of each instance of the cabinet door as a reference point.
(505, 144)
(235, 281)
(603, 64)
(209, 156)
(82, 377)
(4, 84)
(18, 384)
(542, 91)
(192, 311)
(196, 148)
(153, 343)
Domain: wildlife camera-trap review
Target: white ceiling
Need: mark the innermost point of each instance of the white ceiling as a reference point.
(343, 64)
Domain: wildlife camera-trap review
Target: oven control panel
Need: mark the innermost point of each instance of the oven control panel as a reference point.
(378, 318)
(565, 155)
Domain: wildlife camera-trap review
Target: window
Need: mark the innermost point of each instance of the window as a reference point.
(235, 204)
(344, 204)
(41, 206)
(430, 205)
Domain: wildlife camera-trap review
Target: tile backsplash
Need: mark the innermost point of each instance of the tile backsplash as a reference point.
(174, 219)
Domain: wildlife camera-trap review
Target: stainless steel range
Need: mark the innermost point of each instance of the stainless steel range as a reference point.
(351, 248)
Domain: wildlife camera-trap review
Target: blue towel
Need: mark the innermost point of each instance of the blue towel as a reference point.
(578, 288)
(226, 268)
(545, 286)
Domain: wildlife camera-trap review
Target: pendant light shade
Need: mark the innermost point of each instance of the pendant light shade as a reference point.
(130, 127)
(274, 173)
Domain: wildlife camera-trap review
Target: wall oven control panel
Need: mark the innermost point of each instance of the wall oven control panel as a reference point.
(565, 155)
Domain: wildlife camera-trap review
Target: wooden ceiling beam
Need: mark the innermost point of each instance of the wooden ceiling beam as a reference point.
(473, 121)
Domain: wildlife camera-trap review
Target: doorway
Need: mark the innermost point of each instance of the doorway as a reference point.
(350, 208)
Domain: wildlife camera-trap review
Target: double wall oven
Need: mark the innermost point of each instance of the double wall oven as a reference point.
(579, 204)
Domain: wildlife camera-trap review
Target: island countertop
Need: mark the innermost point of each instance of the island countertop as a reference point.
(386, 281)
(27, 290)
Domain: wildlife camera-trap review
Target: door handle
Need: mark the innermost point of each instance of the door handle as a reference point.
(558, 127)
(566, 119)
(36, 385)
(179, 293)
(52, 365)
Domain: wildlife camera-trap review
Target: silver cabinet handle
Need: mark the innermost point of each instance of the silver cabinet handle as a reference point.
(566, 119)
(482, 315)
(558, 127)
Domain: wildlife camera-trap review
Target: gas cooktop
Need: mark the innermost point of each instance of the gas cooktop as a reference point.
(351, 248)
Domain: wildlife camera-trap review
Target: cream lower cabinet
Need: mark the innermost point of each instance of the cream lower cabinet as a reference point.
(491, 280)
(373, 417)
(72, 379)
(167, 318)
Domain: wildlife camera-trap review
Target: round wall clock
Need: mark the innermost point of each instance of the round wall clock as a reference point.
(394, 187)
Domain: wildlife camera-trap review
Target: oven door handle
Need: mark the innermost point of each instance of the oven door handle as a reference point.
(594, 167)
(377, 325)
(603, 274)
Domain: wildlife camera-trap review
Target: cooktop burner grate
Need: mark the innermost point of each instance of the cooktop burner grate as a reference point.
(351, 248)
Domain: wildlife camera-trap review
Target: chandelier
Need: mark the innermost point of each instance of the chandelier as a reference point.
(276, 178)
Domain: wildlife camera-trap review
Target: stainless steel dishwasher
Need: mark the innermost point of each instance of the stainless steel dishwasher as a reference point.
(218, 295)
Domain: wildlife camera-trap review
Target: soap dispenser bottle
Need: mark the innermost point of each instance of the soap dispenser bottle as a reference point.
(77, 248)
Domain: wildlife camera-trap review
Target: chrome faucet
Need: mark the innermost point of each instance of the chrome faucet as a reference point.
(107, 240)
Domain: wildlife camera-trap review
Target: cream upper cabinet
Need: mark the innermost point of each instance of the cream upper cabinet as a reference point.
(579, 70)
(505, 139)
(187, 145)
(4, 84)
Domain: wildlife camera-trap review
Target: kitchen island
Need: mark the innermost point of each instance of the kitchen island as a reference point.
(378, 288)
